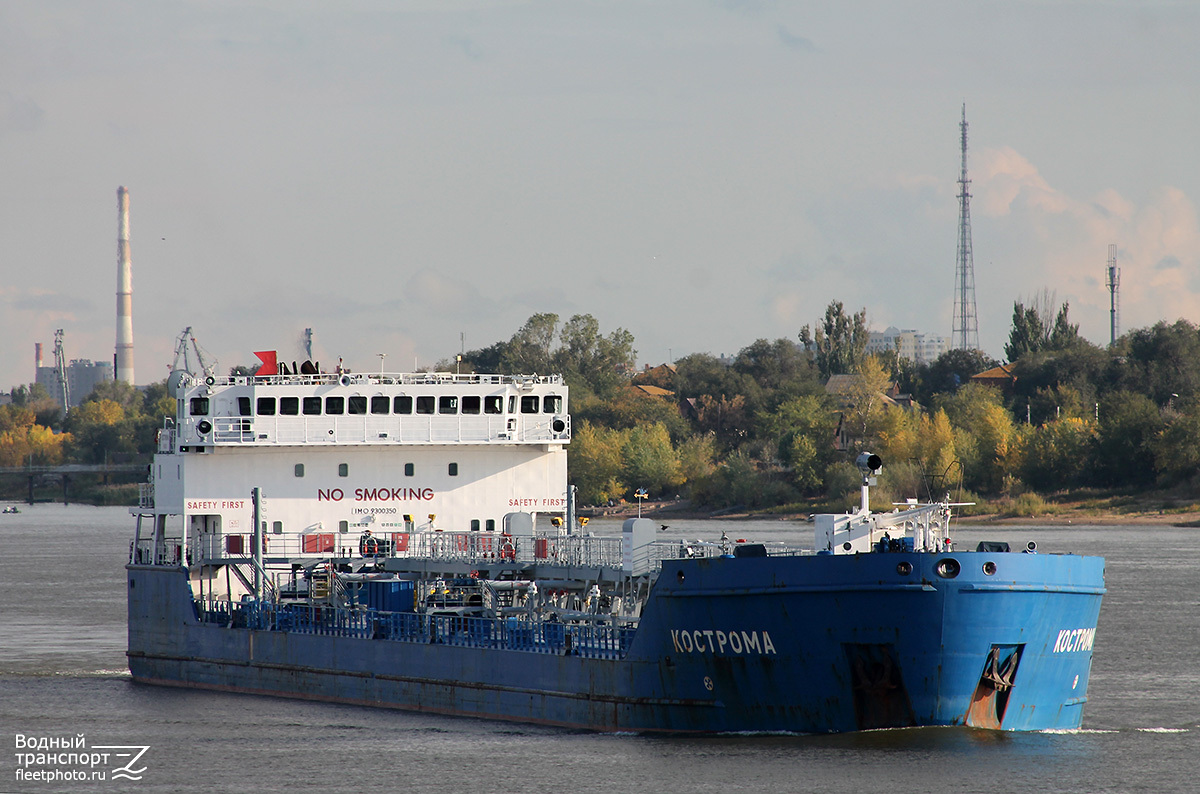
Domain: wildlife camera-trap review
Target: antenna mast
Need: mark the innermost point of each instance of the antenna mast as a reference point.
(965, 334)
(1113, 282)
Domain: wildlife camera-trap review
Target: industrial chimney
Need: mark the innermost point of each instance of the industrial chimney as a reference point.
(37, 358)
(123, 360)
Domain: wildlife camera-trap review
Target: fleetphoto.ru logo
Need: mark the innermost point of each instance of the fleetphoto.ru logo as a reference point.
(53, 759)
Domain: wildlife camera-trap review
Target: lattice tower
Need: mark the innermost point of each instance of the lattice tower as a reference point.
(965, 334)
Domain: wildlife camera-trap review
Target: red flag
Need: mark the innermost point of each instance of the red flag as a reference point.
(270, 366)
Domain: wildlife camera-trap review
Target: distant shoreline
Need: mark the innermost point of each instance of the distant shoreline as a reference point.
(1063, 516)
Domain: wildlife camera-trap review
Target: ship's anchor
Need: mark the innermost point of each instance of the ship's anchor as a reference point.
(1000, 674)
(878, 679)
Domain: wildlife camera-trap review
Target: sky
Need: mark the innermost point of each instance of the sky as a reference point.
(405, 177)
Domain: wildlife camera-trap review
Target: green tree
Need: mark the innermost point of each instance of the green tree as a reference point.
(948, 373)
(100, 429)
(650, 460)
(1177, 446)
(1125, 440)
(586, 357)
(595, 457)
(983, 432)
(804, 428)
(839, 342)
(1055, 456)
(529, 349)
(1162, 362)
(1032, 330)
(779, 366)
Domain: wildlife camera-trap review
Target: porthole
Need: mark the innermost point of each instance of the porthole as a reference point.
(904, 568)
(947, 568)
(989, 568)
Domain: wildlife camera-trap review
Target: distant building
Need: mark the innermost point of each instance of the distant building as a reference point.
(82, 378)
(1000, 377)
(909, 345)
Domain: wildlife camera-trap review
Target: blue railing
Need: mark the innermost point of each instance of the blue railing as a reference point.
(507, 633)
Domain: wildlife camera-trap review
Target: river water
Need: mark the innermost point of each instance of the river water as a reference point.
(63, 674)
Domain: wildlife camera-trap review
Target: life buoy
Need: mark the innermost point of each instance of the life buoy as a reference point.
(507, 550)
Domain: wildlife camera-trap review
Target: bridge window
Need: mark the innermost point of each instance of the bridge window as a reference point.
(552, 404)
(243, 406)
(470, 404)
(493, 404)
(277, 527)
(356, 405)
(199, 406)
(289, 406)
(409, 470)
(380, 404)
(402, 405)
(425, 405)
(335, 405)
(512, 403)
(343, 469)
(490, 525)
(447, 405)
(474, 524)
(529, 404)
(343, 526)
(453, 469)
(299, 469)
(312, 406)
(266, 406)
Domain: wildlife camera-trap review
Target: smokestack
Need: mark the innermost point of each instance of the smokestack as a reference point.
(123, 360)
(37, 358)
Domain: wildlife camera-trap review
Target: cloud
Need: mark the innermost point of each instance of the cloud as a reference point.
(53, 303)
(1061, 242)
(794, 42)
(19, 114)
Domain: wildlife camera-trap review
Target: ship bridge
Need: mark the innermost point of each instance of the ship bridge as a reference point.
(381, 409)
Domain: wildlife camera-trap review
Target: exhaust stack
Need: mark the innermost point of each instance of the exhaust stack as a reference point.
(123, 358)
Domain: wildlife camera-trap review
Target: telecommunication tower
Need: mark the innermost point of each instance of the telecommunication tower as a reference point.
(1113, 282)
(965, 334)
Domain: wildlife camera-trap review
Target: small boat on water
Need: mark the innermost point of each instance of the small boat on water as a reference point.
(410, 540)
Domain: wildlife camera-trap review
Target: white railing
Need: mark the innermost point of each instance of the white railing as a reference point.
(467, 547)
(386, 378)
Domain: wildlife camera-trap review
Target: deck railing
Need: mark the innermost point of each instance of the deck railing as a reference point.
(596, 640)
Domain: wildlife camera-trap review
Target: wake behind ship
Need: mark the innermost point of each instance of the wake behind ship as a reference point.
(410, 541)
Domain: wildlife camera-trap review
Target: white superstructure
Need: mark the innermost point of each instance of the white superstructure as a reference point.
(335, 454)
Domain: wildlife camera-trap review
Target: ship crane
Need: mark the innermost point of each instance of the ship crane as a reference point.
(187, 348)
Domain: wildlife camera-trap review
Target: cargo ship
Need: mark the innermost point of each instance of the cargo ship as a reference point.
(411, 541)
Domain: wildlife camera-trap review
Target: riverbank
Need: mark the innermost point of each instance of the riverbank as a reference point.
(1104, 512)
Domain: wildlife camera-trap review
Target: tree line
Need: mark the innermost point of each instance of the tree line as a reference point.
(768, 428)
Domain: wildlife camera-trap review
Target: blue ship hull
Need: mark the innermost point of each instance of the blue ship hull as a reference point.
(814, 643)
